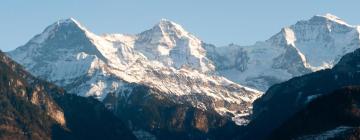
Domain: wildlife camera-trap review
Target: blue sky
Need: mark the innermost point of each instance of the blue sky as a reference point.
(218, 22)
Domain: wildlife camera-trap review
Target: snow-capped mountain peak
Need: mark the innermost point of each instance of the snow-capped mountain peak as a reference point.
(166, 29)
(309, 45)
(286, 37)
(332, 18)
(171, 28)
(65, 44)
(70, 21)
(169, 43)
(327, 23)
(166, 32)
(61, 27)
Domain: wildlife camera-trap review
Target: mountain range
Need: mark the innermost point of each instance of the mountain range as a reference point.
(167, 83)
(307, 46)
(113, 69)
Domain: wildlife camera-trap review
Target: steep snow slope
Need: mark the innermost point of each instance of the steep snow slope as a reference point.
(307, 46)
(165, 58)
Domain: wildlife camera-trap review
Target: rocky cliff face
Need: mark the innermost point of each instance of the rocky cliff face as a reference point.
(34, 109)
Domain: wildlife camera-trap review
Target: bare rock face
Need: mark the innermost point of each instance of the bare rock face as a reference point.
(54, 111)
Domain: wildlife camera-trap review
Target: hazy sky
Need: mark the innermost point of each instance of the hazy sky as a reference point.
(219, 22)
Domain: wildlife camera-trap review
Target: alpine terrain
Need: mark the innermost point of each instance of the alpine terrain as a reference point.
(166, 83)
(307, 46)
(32, 109)
(159, 80)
